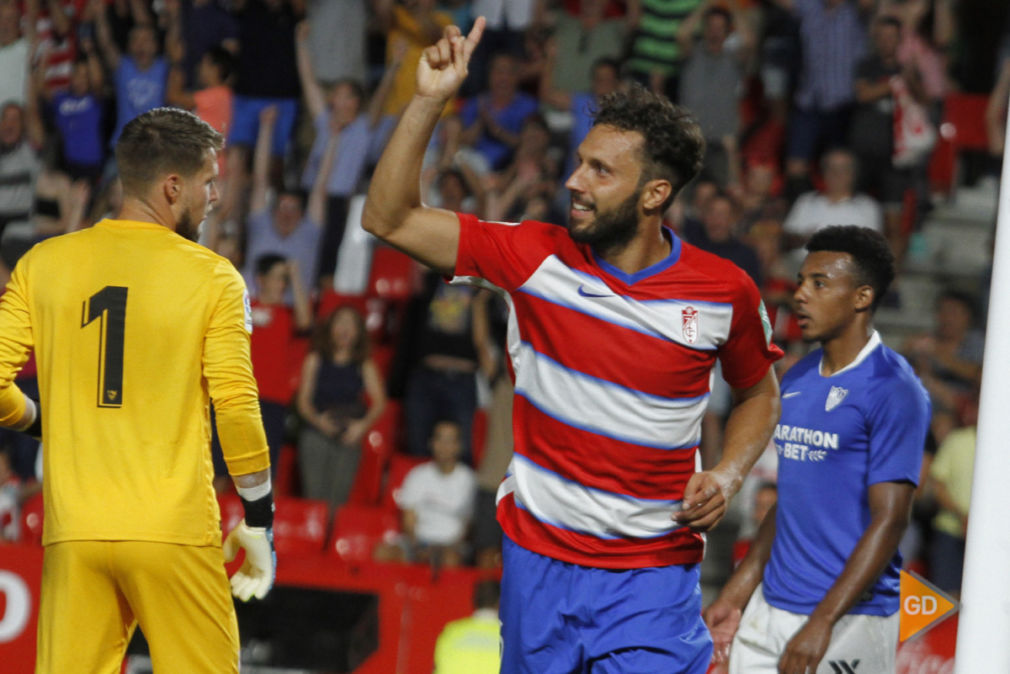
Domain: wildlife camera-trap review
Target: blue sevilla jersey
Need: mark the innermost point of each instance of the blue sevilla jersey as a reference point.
(838, 435)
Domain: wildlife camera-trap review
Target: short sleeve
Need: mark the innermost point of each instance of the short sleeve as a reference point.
(504, 254)
(409, 494)
(468, 114)
(748, 352)
(898, 421)
(470, 503)
(796, 218)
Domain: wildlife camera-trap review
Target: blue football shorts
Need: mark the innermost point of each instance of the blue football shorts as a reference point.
(561, 618)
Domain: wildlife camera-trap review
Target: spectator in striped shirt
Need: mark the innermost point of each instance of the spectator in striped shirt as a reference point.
(833, 37)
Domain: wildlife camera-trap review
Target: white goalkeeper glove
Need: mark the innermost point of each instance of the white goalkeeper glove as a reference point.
(256, 576)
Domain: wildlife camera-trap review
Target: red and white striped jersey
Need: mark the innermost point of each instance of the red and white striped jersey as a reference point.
(612, 373)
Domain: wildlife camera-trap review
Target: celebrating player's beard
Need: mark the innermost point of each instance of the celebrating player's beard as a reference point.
(611, 229)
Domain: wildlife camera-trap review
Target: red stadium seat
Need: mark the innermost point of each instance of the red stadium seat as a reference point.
(358, 529)
(383, 357)
(392, 276)
(379, 444)
(963, 128)
(300, 526)
(32, 512)
(286, 480)
(399, 466)
(478, 436)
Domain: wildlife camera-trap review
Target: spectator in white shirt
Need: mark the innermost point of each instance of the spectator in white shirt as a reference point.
(436, 505)
(838, 204)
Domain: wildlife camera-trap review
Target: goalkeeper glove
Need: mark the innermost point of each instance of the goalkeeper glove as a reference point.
(256, 576)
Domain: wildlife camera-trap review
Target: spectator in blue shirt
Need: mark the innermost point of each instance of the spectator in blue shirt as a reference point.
(492, 120)
(78, 115)
(140, 75)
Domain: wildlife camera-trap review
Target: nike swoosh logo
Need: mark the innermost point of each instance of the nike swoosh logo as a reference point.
(592, 293)
(791, 394)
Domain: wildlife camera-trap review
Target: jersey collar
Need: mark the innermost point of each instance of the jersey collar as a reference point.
(652, 270)
(870, 345)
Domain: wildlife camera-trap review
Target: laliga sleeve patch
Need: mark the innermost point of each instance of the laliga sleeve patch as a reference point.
(248, 312)
(765, 322)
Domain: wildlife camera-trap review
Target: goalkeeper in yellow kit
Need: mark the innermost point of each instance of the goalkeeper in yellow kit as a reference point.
(135, 329)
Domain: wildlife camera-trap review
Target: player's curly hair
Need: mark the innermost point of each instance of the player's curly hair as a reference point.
(160, 141)
(674, 146)
(869, 250)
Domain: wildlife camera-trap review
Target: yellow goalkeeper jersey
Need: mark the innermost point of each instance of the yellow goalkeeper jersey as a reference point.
(135, 329)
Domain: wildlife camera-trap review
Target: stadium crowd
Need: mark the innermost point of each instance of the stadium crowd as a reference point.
(815, 112)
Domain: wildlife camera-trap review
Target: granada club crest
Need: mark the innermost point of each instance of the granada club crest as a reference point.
(689, 324)
(835, 397)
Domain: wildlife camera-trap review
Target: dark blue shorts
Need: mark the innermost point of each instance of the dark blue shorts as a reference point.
(561, 618)
(245, 121)
(812, 132)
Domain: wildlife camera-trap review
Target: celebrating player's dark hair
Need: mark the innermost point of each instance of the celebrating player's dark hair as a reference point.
(868, 248)
(674, 145)
(160, 141)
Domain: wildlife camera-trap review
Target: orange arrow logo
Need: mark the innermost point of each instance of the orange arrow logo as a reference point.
(922, 605)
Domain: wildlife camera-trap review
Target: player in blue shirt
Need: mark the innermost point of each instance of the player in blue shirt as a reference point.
(820, 583)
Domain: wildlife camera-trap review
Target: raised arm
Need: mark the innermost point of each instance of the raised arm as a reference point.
(688, 29)
(381, 93)
(316, 209)
(141, 13)
(315, 99)
(175, 45)
(300, 297)
(550, 94)
(393, 209)
(58, 17)
(890, 509)
(103, 33)
(175, 92)
(96, 75)
(261, 159)
(34, 126)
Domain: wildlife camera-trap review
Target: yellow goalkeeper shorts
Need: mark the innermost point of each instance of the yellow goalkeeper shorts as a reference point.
(94, 593)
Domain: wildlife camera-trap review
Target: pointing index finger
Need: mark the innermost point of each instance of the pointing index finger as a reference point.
(474, 37)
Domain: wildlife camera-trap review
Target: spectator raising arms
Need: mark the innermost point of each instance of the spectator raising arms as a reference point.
(140, 74)
(289, 229)
(78, 115)
(339, 116)
(265, 76)
(15, 54)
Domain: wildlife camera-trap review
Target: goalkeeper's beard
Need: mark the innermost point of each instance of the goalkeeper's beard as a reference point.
(187, 228)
